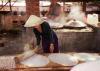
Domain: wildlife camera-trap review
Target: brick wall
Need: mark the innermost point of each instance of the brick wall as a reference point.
(32, 7)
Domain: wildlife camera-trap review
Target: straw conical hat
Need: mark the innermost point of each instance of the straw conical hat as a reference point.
(33, 21)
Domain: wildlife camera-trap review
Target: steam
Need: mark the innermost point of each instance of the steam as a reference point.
(76, 13)
(28, 40)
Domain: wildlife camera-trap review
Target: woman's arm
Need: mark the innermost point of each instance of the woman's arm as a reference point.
(38, 38)
(48, 31)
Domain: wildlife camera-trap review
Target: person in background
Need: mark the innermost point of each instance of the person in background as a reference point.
(43, 32)
(54, 10)
(56, 13)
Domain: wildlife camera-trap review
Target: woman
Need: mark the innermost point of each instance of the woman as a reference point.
(43, 32)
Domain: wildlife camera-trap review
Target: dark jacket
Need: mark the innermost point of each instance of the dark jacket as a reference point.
(47, 33)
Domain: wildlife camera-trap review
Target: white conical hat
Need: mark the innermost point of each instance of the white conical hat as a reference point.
(33, 21)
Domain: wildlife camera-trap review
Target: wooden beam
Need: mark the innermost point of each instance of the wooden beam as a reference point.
(10, 5)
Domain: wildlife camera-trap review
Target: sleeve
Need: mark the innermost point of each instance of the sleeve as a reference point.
(38, 38)
(48, 31)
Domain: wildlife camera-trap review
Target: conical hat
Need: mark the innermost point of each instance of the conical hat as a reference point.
(33, 21)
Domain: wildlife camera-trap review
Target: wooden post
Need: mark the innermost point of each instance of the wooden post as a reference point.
(10, 5)
(84, 6)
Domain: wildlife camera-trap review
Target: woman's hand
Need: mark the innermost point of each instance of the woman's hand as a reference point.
(51, 48)
(38, 49)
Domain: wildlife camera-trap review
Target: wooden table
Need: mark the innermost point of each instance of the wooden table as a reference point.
(50, 67)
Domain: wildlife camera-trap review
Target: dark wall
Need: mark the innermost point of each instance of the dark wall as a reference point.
(79, 41)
